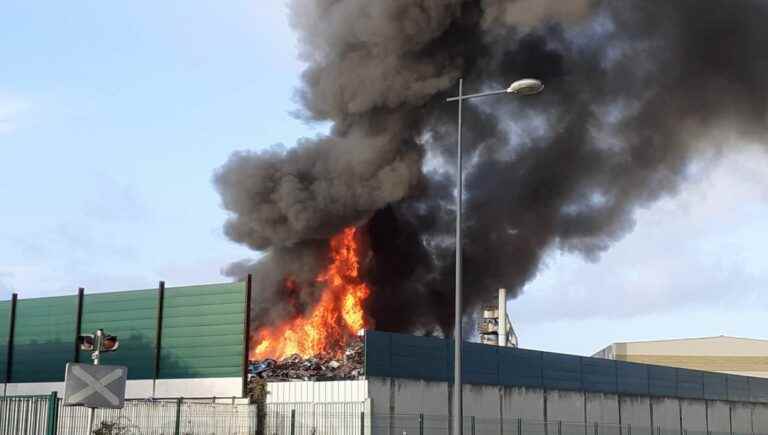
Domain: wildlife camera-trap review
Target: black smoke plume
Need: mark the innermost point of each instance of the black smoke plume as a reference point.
(636, 90)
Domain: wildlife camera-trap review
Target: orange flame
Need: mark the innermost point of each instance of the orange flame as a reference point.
(338, 315)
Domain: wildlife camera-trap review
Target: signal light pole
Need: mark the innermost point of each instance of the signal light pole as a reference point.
(520, 87)
(97, 343)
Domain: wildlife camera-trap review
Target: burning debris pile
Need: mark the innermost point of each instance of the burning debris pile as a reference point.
(321, 367)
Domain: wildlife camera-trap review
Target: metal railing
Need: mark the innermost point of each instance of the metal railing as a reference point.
(45, 415)
(28, 415)
(162, 417)
(343, 418)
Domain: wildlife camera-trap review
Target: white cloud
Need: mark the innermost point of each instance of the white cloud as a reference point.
(11, 107)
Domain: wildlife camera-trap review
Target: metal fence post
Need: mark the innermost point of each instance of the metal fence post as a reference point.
(520, 426)
(472, 422)
(560, 427)
(362, 422)
(53, 414)
(293, 422)
(177, 427)
(597, 431)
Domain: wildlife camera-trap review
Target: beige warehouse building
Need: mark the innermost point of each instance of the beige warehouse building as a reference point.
(738, 356)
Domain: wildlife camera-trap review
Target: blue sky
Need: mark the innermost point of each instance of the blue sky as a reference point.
(113, 117)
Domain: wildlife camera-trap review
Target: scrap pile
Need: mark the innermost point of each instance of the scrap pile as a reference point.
(316, 368)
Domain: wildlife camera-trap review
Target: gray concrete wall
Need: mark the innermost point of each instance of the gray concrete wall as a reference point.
(694, 413)
(636, 412)
(666, 414)
(603, 408)
(568, 412)
(760, 418)
(482, 401)
(741, 418)
(718, 417)
(521, 402)
(565, 406)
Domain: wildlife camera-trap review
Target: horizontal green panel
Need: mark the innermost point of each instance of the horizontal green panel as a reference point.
(223, 340)
(46, 304)
(231, 372)
(213, 362)
(150, 305)
(123, 325)
(203, 331)
(205, 310)
(126, 295)
(205, 320)
(143, 316)
(209, 289)
(204, 301)
(234, 350)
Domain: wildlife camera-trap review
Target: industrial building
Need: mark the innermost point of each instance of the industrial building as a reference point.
(494, 326)
(733, 355)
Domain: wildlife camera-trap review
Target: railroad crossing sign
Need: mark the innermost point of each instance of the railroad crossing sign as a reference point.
(95, 386)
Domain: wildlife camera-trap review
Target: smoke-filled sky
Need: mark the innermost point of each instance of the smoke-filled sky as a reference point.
(109, 144)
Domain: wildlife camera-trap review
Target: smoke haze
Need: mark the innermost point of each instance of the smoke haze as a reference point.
(635, 92)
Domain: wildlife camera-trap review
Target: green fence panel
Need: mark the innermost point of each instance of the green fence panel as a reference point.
(44, 338)
(5, 312)
(203, 332)
(132, 317)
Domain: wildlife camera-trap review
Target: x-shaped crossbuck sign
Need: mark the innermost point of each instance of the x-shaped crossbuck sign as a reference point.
(96, 385)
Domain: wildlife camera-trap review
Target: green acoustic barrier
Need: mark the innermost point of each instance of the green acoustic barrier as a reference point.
(132, 317)
(44, 338)
(203, 334)
(5, 310)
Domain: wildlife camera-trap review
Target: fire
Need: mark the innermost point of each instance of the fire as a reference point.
(338, 315)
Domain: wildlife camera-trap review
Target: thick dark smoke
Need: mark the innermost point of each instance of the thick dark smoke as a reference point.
(636, 90)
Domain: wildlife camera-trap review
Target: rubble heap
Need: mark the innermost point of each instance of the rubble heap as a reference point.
(321, 367)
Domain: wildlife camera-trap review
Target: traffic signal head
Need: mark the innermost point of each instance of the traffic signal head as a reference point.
(91, 342)
(86, 342)
(109, 343)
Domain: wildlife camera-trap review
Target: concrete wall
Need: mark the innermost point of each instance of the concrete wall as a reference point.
(566, 412)
(694, 414)
(564, 406)
(741, 418)
(666, 414)
(603, 408)
(636, 413)
(760, 418)
(719, 417)
(521, 402)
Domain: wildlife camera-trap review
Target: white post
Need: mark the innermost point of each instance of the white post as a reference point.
(502, 317)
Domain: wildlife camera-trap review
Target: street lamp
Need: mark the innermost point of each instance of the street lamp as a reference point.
(520, 87)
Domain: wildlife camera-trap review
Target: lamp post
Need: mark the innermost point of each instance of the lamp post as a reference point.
(520, 87)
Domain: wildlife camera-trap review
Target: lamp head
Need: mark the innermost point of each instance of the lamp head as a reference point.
(526, 87)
